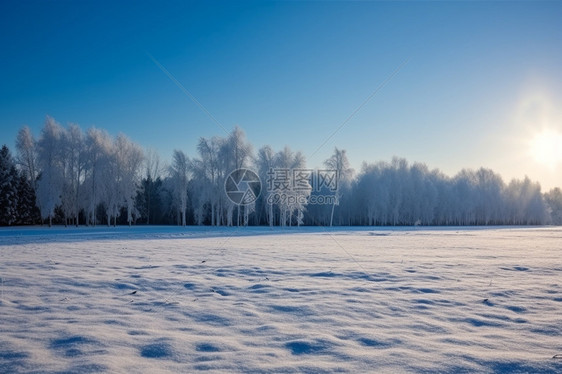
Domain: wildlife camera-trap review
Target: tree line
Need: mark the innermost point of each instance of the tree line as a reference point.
(68, 176)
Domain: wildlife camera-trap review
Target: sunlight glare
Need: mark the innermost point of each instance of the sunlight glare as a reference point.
(546, 148)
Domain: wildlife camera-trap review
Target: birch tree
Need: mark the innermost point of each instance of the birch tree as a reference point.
(234, 153)
(265, 163)
(339, 163)
(73, 149)
(207, 176)
(98, 150)
(130, 157)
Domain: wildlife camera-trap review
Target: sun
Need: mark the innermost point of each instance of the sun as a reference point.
(546, 148)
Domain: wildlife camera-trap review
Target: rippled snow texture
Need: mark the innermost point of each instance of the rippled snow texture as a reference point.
(152, 300)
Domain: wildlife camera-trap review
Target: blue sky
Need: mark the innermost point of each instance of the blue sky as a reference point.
(480, 82)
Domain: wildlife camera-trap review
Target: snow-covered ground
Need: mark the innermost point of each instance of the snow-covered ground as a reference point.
(168, 299)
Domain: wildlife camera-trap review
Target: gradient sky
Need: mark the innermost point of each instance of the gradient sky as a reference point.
(465, 84)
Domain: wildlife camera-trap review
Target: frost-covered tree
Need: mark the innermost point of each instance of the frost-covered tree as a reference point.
(51, 163)
(218, 157)
(206, 180)
(526, 203)
(372, 195)
(554, 200)
(27, 154)
(122, 163)
(74, 155)
(82, 175)
(294, 195)
(489, 200)
(235, 153)
(129, 156)
(98, 153)
(112, 196)
(400, 194)
(444, 211)
(265, 163)
(339, 163)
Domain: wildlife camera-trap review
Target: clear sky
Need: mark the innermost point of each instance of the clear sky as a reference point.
(464, 83)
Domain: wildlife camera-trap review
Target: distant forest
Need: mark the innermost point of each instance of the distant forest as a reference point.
(71, 177)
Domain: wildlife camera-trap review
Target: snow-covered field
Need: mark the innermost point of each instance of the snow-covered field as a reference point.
(168, 299)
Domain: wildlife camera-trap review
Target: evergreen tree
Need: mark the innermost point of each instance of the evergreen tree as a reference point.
(27, 211)
(148, 200)
(179, 173)
(8, 188)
